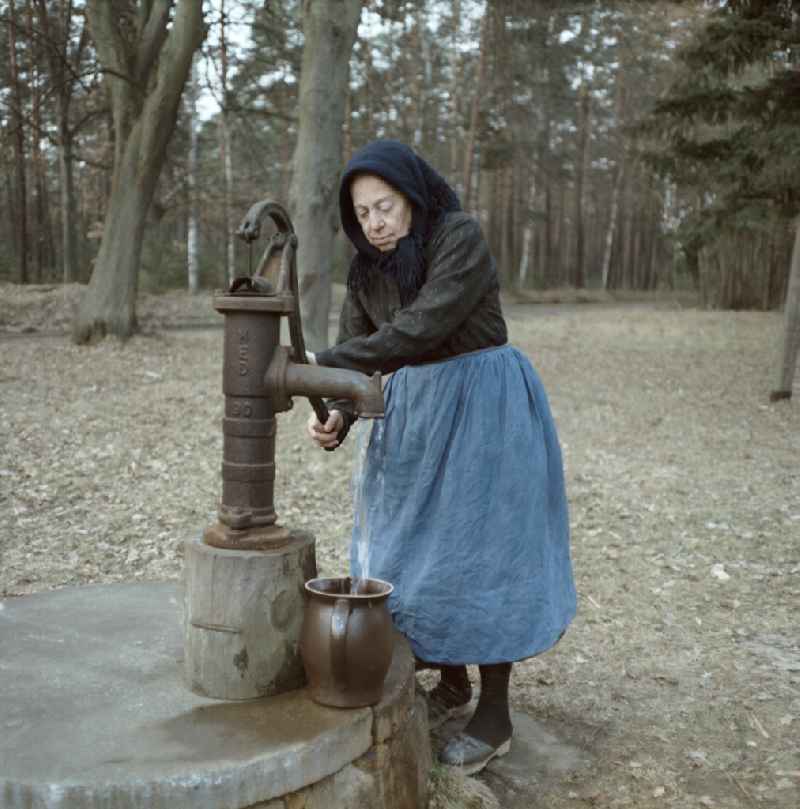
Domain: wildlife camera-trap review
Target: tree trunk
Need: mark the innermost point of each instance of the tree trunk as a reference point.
(507, 228)
(329, 29)
(581, 168)
(474, 114)
(561, 240)
(20, 185)
(69, 207)
(348, 127)
(422, 78)
(527, 237)
(549, 271)
(369, 73)
(146, 76)
(612, 221)
(225, 152)
(619, 109)
(769, 271)
(495, 213)
(64, 62)
(455, 128)
(66, 170)
(637, 264)
(544, 160)
(286, 163)
(192, 229)
(39, 227)
(791, 328)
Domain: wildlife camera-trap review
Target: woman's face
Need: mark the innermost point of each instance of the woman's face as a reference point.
(383, 212)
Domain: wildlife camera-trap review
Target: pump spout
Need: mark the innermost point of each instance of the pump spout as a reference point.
(285, 379)
(337, 383)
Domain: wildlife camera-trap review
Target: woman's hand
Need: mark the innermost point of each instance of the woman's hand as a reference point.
(325, 435)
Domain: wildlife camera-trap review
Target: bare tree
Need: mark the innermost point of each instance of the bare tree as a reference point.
(618, 183)
(453, 92)
(475, 109)
(527, 236)
(192, 225)
(64, 49)
(145, 49)
(422, 78)
(581, 170)
(225, 149)
(329, 28)
(21, 196)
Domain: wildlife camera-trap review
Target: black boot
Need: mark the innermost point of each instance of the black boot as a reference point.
(451, 696)
(488, 733)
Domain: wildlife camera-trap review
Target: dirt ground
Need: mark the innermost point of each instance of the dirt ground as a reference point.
(680, 675)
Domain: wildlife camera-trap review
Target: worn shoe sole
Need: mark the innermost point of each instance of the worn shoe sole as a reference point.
(477, 766)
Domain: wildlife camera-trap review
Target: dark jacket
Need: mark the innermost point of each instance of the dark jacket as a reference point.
(456, 311)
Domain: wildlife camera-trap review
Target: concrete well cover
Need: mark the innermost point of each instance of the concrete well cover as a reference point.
(93, 713)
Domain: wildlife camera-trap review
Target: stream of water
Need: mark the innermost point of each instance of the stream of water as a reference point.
(362, 504)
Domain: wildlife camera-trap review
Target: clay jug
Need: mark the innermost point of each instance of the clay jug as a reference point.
(346, 641)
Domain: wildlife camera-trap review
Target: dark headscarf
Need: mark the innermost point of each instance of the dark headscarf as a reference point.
(430, 197)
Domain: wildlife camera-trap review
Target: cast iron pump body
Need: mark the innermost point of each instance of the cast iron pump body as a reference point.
(259, 378)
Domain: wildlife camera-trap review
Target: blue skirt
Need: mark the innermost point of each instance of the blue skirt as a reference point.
(459, 502)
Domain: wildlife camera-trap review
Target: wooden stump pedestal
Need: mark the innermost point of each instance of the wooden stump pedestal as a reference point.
(243, 611)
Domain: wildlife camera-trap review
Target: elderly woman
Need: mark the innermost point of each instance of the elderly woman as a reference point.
(462, 499)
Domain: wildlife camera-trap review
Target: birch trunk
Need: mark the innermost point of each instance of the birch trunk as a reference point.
(619, 107)
(225, 151)
(329, 30)
(424, 80)
(527, 235)
(612, 221)
(147, 62)
(192, 229)
(791, 329)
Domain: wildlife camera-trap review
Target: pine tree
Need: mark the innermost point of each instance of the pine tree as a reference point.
(728, 133)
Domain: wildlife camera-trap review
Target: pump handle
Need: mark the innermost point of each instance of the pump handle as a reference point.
(286, 241)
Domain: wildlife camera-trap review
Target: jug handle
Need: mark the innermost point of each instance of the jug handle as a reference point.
(339, 619)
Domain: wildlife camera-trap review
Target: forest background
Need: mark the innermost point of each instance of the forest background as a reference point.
(636, 150)
(610, 145)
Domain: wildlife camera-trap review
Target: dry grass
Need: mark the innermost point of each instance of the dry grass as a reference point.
(681, 674)
(451, 790)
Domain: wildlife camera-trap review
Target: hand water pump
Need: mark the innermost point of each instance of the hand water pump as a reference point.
(244, 578)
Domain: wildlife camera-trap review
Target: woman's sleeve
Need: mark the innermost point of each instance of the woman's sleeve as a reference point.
(353, 322)
(460, 273)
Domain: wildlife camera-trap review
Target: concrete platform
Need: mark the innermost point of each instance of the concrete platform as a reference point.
(93, 713)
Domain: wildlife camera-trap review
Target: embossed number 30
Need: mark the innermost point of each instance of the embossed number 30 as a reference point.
(242, 410)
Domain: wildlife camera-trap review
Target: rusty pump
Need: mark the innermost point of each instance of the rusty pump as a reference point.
(244, 579)
(260, 377)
